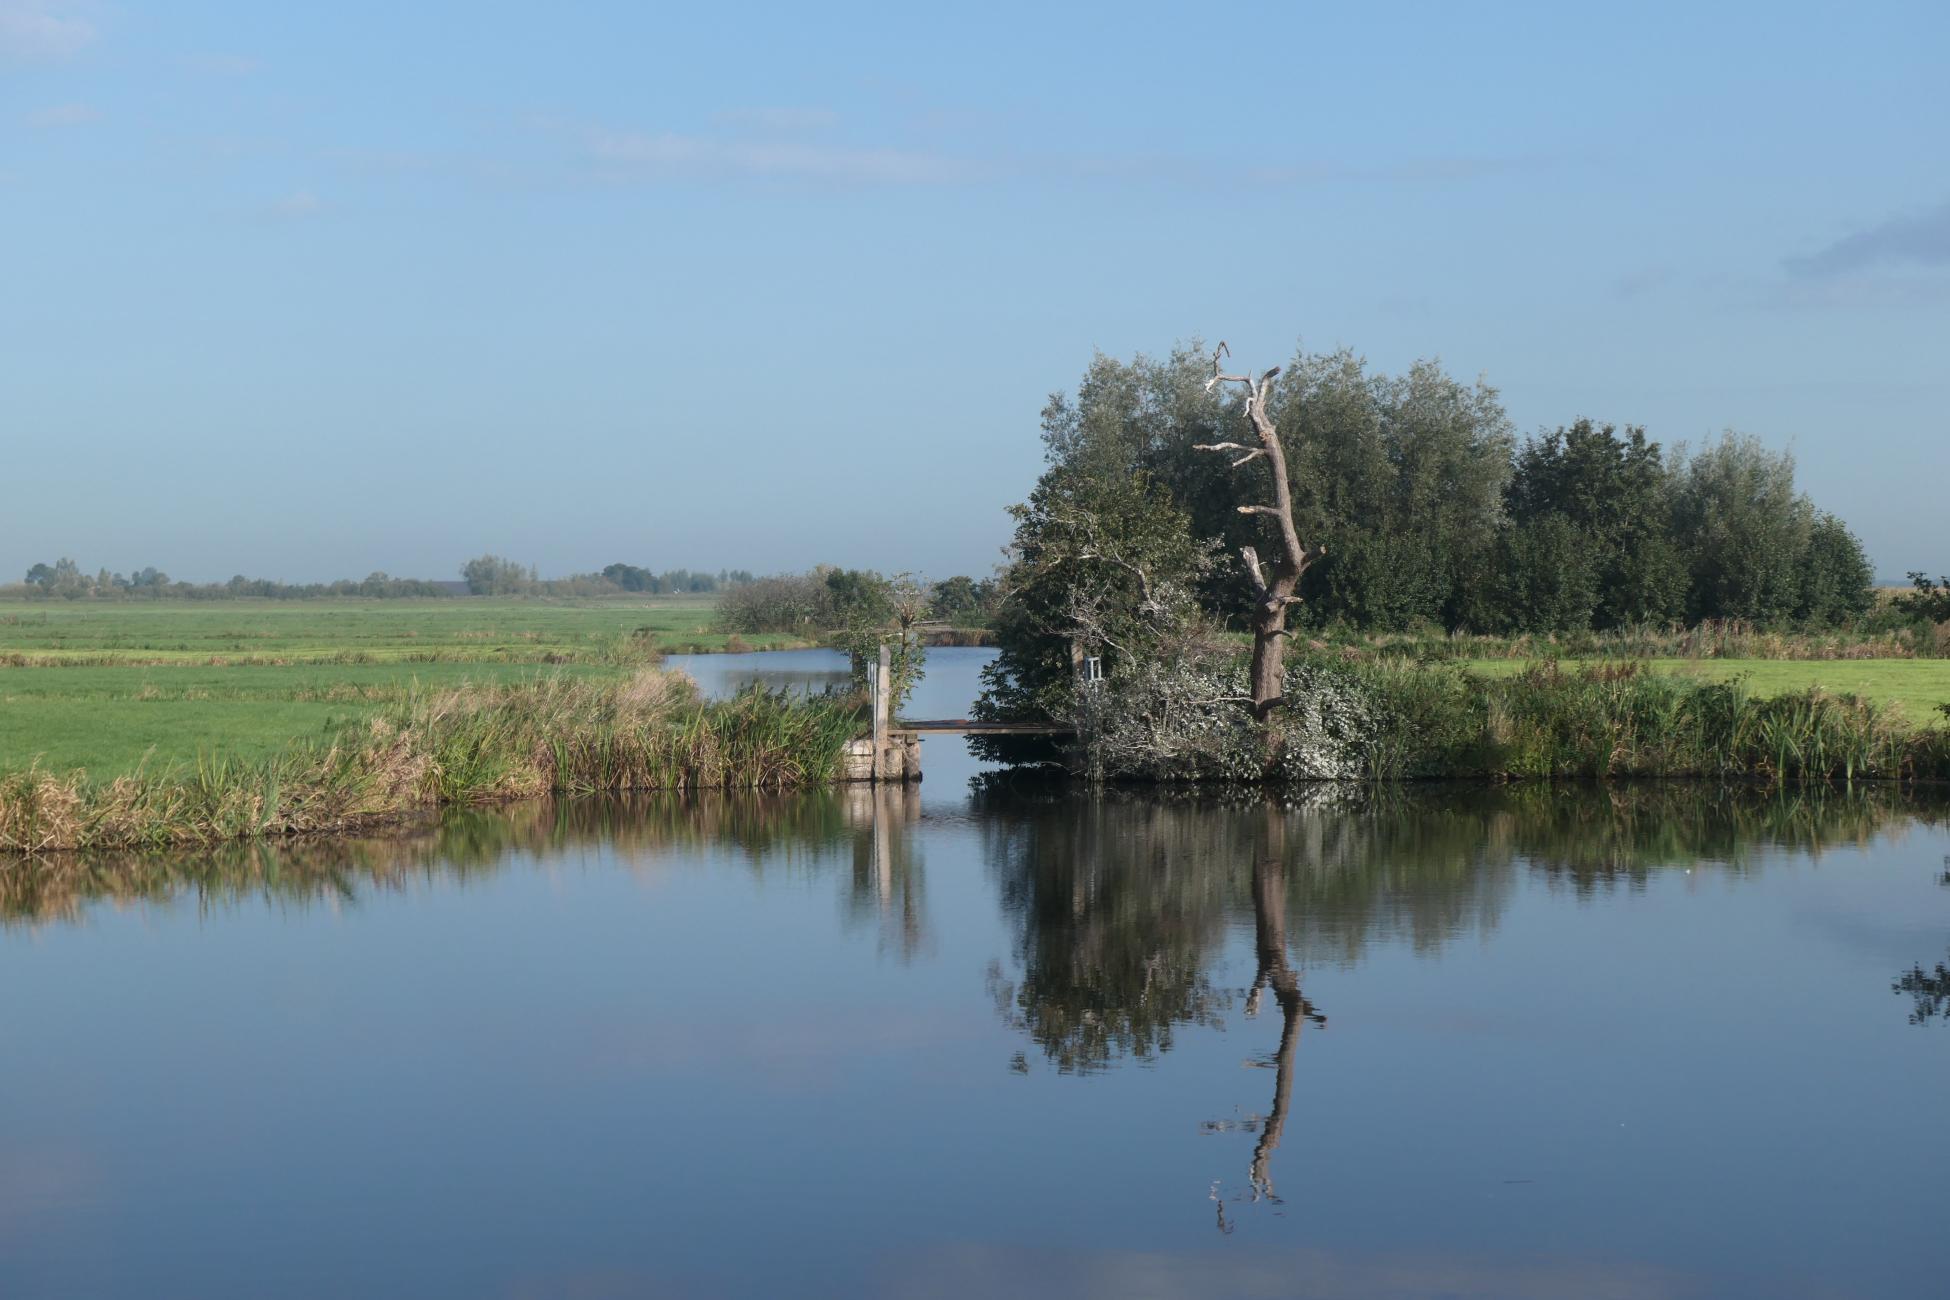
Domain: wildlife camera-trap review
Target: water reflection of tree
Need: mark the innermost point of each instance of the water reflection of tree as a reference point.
(1928, 990)
(1115, 919)
(1121, 902)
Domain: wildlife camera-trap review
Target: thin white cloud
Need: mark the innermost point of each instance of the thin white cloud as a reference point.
(776, 144)
(295, 206)
(42, 29)
(221, 65)
(1646, 279)
(1858, 291)
(1183, 170)
(1918, 239)
(778, 119)
(61, 115)
(671, 153)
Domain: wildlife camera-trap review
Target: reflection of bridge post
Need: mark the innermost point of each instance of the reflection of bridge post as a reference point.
(881, 812)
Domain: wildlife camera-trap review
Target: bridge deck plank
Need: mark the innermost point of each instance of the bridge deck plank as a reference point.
(968, 727)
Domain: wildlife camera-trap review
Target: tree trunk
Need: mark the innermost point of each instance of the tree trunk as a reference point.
(1274, 586)
(1269, 666)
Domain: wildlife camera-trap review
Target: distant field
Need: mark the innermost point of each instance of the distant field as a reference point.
(1916, 686)
(106, 687)
(348, 631)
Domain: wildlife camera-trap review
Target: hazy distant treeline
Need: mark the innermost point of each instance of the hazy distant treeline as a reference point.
(826, 598)
(493, 575)
(487, 575)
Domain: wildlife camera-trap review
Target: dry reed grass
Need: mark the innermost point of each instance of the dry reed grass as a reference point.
(473, 744)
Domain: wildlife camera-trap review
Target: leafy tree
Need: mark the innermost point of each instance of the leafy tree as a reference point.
(631, 578)
(882, 611)
(962, 600)
(798, 603)
(1105, 563)
(1929, 599)
(1837, 583)
(1547, 576)
(1745, 531)
(1615, 494)
(858, 597)
(1400, 477)
(491, 575)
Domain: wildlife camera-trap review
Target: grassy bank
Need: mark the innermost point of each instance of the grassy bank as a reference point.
(1623, 720)
(1390, 719)
(1916, 688)
(113, 720)
(476, 744)
(1883, 636)
(106, 686)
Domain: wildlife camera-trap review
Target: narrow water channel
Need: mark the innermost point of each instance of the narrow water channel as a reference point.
(978, 1040)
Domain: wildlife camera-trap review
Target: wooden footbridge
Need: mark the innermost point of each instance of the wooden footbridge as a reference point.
(967, 727)
(893, 751)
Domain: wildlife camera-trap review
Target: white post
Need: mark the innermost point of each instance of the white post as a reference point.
(883, 696)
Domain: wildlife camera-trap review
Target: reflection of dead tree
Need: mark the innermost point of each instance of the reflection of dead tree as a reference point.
(1275, 972)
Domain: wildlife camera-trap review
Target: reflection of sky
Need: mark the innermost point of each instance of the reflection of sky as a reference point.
(550, 1080)
(550, 1077)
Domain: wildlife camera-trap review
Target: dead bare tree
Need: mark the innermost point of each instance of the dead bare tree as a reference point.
(1274, 585)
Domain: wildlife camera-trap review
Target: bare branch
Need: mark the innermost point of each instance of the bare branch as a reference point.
(1259, 510)
(1251, 557)
(1249, 457)
(1222, 446)
(1218, 354)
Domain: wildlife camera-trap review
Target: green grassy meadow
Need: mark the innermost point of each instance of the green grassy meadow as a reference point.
(1915, 686)
(110, 687)
(225, 633)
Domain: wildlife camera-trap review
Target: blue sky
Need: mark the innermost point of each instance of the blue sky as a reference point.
(311, 290)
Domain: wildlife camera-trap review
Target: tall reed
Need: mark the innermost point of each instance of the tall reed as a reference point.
(475, 744)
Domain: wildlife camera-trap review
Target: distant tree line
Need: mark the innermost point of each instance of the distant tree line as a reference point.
(492, 575)
(1432, 512)
(487, 575)
(827, 598)
(862, 610)
(64, 579)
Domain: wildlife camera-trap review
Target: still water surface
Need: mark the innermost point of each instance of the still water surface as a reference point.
(974, 1042)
